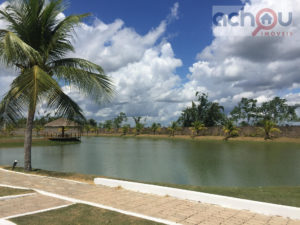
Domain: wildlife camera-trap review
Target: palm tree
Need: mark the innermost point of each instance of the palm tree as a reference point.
(230, 130)
(125, 129)
(269, 128)
(139, 126)
(36, 43)
(155, 127)
(38, 129)
(198, 127)
(173, 128)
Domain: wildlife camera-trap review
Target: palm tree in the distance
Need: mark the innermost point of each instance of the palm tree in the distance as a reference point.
(36, 43)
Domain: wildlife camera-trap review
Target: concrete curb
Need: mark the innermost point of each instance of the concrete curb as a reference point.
(227, 202)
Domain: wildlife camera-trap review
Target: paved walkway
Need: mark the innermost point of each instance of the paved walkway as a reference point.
(31, 203)
(168, 208)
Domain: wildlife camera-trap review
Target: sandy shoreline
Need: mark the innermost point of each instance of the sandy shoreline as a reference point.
(202, 138)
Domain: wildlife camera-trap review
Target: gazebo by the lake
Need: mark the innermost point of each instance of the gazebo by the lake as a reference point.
(63, 125)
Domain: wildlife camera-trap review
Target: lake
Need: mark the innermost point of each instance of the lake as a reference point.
(205, 163)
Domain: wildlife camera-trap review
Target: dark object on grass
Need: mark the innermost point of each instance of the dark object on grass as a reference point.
(15, 164)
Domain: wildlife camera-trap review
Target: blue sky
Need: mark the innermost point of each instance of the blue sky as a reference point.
(188, 35)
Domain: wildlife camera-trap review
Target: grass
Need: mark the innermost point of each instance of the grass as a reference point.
(289, 196)
(11, 191)
(70, 176)
(16, 142)
(80, 214)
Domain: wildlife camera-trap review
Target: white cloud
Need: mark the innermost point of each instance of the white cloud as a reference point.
(143, 67)
(237, 65)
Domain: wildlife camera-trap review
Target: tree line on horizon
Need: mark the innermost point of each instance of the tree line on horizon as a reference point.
(198, 117)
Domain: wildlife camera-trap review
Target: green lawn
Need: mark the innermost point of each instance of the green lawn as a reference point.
(278, 195)
(10, 191)
(80, 214)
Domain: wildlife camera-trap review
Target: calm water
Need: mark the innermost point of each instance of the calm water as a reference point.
(172, 161)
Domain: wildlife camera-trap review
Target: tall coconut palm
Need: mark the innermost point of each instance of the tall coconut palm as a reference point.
(35, 43)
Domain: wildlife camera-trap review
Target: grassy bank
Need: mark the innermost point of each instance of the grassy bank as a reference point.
(11, 191)
(278, 195)
(80, 214)
(202, 138)
(7, 142)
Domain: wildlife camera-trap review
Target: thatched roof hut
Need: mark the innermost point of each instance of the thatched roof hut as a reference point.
(62, 122)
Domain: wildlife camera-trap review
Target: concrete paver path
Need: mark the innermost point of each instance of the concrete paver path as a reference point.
(27, 204)
(168, 208)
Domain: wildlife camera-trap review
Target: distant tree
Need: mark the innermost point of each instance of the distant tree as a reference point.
(108, 125)
(198, 127)
(100, 125)
(92, 123)
(9, 129)
(215, 115)
(117, 123)
(155, 127)
(206, 112)
(230, 130)
(277, 110)
(245, 111)
(173, 128)
(139, 126)
(125, 129)
(38, 129)
(87, 128)
(269, 128)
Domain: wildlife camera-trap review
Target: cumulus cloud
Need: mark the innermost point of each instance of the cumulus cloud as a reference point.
(238, 65)
(143, 67)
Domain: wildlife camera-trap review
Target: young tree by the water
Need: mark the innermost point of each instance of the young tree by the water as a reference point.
(125, 129)
(35, 43)
(108, 125)
(198, 127)
(206, 112)
(139, 126)
(269, 128)
(38, 129)
(155, 127)
(119, 120)
(230, 130)
(173, 128)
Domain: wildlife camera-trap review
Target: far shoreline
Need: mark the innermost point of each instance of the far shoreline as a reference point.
(200, 138)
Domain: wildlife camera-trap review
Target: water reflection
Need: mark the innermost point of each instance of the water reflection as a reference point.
(172, 161)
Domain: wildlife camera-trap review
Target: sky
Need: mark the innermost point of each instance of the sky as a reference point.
(159, 53)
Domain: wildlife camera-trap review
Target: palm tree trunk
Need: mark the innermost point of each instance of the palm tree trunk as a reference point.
(28, 140)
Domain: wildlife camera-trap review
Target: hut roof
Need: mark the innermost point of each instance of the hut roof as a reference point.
(62, 122)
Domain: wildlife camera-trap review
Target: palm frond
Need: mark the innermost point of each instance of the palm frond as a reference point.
(14, 51)
(88, 77)
(60, 38)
